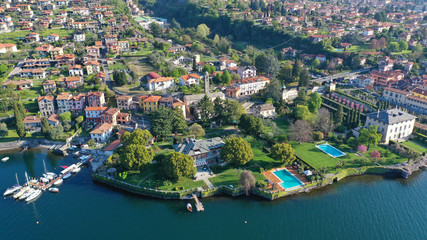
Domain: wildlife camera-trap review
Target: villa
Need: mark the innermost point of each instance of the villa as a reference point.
(203, 151)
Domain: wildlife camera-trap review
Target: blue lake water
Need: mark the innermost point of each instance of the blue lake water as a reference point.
(368, 207)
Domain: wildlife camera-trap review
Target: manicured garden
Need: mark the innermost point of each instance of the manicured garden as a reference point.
(318, 159)
(415, 146)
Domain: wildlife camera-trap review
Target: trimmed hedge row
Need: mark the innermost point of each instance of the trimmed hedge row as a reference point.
(356, 99)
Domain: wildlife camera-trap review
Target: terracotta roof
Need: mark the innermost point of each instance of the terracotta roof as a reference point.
(101, 129)
(161, 79)
(18, 82)
(152, 99)
(49, 98)
(7, 45)
(49, 82)
(63, 96)
(99, 94)
(111, 111)
(53, 118)
(112, 145)
(95, 108)
(32, 119)
(123, 97)
(188, 76)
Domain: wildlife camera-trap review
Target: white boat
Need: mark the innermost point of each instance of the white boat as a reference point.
(5, 159)
(54, 190)
(45, 180)
(52, 174)
(34, 181)
(27, 194)
(58, 182)
(76, 170)
(66, 176)
(34, 195)
(12, 189)
(189, 207)
(20, 192)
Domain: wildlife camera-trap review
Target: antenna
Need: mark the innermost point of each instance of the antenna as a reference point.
(378, 113)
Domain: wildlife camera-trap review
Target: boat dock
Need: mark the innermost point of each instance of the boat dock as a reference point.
(199, 205)
(45, 186)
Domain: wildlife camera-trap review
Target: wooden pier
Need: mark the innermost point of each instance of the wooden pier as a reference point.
(199, 205)
(44, 186)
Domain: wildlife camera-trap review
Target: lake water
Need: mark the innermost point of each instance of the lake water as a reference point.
(368, 207)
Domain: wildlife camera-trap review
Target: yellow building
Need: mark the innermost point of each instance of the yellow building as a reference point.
(418, 92)
(149, 103)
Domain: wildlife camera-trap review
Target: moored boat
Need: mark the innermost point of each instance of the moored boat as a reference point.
(45, 180)
(189, 207)
(76, 170)
(27, 194)
(58, 182)
(34, 195)
(5, 159)
(54, 190)
(20, 192)
(66, 176)
(12, 189)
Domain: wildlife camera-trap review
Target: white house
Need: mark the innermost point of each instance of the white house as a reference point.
(102, 132)
(265, 110)
(75, 70)
(160, 83)
(53, 37)
(7, 47)
(393, 124)
(246, 72)
(289, 94)
(249, 86)
(363, 81)
(190, 79)
(79, 37)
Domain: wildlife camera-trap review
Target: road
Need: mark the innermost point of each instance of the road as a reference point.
(340, 75)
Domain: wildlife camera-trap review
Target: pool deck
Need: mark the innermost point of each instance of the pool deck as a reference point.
(273, 178)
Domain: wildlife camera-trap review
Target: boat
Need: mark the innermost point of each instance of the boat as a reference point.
(66, 176)
(189, 207)
(12, 189)
(20, 192)
(34, 195)
(34, 181)
(44, 180)
(5, 159)
(52, 174)
(27, 194)
(58, 182)
(76, 170)
(54, 190)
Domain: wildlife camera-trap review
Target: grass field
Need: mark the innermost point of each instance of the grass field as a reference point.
(117, 66)
(415, 146)
(309, 153)
(13, 136)
(231, 177)
(152, 176)
(18, 34)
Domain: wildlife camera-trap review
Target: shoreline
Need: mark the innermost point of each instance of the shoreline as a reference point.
(390, 171)
(31, 143)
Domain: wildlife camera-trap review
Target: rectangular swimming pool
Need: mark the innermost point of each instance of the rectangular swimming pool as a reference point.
(330, 150)
(288, 180)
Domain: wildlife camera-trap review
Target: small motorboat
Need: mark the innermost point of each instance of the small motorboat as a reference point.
(64, 167)
(43, 179)
(58, 182)
(27, 194)
(54, 175)
(5, 159)
(34, 195)
(20, 192)
(66, 176)
(34, 181)
(48, 176)
(54, 190)
(76, 170)
(189, 207)
(12, 189)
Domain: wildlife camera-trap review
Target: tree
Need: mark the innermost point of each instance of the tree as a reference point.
(78, 121)
(338, 116)
(304, 78)
(301, 112)
(394, 47)
(156, 29)
(315, 63)
(65, 117)
(137, 137)
(56, 132)
(45, 126)
(119, 77)
(208, 68)
(362, 149)
(403, 45)
(19, 119)
(202, 30)
(196, 130)
(135, 156)
(226, 78)
(261, 62)
(323, 121)
(315, 102)
(272, 65)
(161, 122)
(194, 64)
(237, 151)
(178, 165)
(250, 125)
(375, 155)
(285, 74)
(296, 69)
(247, 181)
(3, 130)
(370, 136)
(179, 124)
(206, 110)
(283, 152)
(301, 131)
(273, 90)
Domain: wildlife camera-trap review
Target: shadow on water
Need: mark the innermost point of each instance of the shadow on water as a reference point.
(29, 157)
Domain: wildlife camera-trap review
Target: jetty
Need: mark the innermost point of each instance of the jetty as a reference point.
(45, 186)
(199, 205)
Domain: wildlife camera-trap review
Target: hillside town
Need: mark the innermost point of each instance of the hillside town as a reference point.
(262, 90)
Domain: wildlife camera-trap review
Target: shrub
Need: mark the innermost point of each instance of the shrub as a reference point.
(261, 184)
(317, 135)
(375, 155)
(362, 149)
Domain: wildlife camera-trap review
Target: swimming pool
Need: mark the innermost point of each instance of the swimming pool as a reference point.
(331, 151)
(288, 180)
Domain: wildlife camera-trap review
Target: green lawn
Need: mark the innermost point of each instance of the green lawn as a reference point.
(312, 155)
(402, 52)
(152, 177)
(117, 66)
(415, 146)
(227, 178)
(13, 136)
(17, 34)
(283, 124)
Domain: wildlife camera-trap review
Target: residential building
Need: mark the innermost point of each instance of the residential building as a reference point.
(32, 124)
(265, 111)
(8, 48)
(102, 132)
(93, 114)
(92, 67)
(53, 120)
(124, 102)
(71, 82)
(189, 79)
(393, 124)
(149, 103)
(46, 105)
(19, 84)
(77, 102)
(49, 86)
(385, 79)
(62, 102)
(385, 64)
(75, 70)
(123, 118)
(66, 59)
(289, 94)
(246, 72)
(363, 81)
(96, 99)
(38, 73)
(161, 83)
(79, 37)
(109, 115)
(249, 86)
(203, 151)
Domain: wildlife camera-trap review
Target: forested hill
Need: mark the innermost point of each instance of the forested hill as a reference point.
(189, 14)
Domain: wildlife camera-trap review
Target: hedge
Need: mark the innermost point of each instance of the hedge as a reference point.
(356, 99)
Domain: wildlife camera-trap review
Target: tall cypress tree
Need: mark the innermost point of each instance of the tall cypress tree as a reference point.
(358, 118)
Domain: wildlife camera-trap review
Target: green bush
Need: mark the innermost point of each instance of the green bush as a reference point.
(261, 184)
(317, 135)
